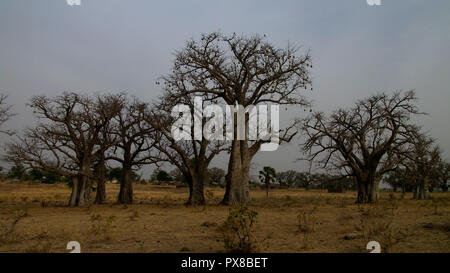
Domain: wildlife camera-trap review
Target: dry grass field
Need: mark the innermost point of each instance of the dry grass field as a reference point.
(34, 218)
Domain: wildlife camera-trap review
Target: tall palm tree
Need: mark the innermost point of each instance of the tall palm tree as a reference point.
(267, 175)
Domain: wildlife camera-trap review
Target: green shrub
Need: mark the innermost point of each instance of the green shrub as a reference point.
(238, 230)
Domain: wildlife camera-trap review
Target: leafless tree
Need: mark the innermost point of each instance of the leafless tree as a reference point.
(422, 164)
(133, 145)
(289, 178)
(216, 175)
(65, 141)
(364, 141)
(191, 157)
(35, 148)
(5, 113)
(240, 70)
(443, 175)
(107, 107)
(177, 175)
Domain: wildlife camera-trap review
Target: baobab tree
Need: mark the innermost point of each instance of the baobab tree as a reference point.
(288, 178)
(241, 71)
(364, 141)
(422, 164)
(267, 176)
(443, 175)
(399, 178)
(65, 141)
(5, 113)
(38, 150)
(133, 143)
(192, 157)
(107, 107)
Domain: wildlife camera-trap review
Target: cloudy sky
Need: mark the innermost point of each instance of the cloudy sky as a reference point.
(47, 47)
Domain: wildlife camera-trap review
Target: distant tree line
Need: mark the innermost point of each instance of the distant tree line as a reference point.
(306, 180)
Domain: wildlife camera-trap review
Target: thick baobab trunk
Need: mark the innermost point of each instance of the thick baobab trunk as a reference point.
(421, 192)
(73, 201)
(421, 189)
(188, 178)
(373, 190)
(196, 194)
(126, 186)
(367, 189)
(85, 187)
(100, 197)
(197, 177)
(426, 187)
(362, 192)
(81, 189)
(238, 189)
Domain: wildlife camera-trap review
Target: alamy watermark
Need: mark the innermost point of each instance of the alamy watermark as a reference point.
(374, 2)
(73, 2)
(221, 127)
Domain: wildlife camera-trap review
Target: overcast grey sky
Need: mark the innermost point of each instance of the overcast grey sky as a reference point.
(47, 47)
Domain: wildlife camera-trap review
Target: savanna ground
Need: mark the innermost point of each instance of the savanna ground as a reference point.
(34, 218)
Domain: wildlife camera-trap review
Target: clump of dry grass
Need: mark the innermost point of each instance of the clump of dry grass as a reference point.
(140, 246)
(7, 231)
(306, 221)
(166, 201)
(435, 203)
(43, 244)
(341, 203)
(209, 194)
(378, 224)
(306, 224)
(102, 227)
(134, 214)
(345, 218)
(40, 247)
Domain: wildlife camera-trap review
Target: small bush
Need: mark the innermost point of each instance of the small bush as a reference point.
(102, 227)
(209, 194)
(238, 231)
(377, 224)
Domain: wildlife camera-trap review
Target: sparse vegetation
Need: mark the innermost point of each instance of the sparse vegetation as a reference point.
(238, 231)
(102, 227)
(378, 224)
(163, 219)
(306, 224)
